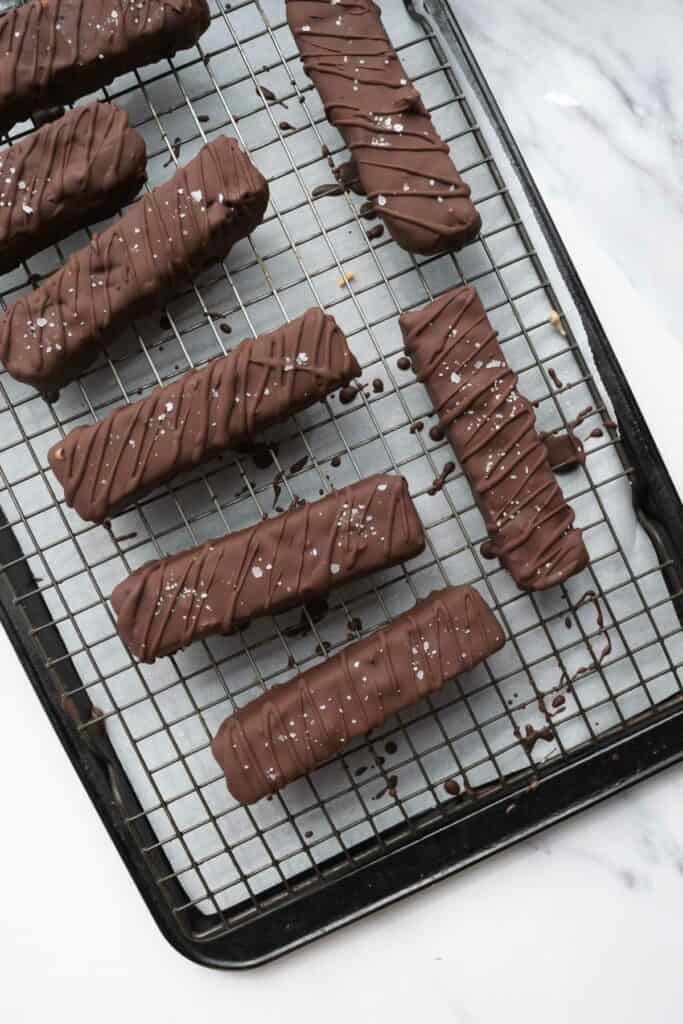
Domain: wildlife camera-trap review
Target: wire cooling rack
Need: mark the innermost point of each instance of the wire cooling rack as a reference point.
(584, 664)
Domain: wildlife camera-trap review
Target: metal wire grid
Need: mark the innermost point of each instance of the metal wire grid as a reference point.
(234, 862)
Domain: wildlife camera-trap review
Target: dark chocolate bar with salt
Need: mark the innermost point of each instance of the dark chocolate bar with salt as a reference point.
(301, 724)
(492, 428)
(53, 51)
(164, 239)
(278, 563)
(70, 173)
(222, 405)
(402, 164)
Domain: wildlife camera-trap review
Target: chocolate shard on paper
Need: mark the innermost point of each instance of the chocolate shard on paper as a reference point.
(403, 165)
(53, 51)
(270, 567)
(492, 428)
(70, 173)
(222, 405)
(164, 239)
(301, 724)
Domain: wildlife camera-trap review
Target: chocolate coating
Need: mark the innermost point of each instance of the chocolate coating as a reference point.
(53, 51)
(492, 428)
(222, 405)
(403, 165)
(48, 336)
(267, 568)
(72, 172)
(301, 724)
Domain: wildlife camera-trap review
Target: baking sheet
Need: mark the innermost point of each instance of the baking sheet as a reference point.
(160, 718)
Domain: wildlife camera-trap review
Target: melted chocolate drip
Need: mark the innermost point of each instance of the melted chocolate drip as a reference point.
(54, 51)
(50, 335)
(403, 165)
(297, 726)
(68, 174)
(438, 484)
(531, 735)
(105, 466)
(347, 176)
(452, 787)
(376, 232)
(267, 94)
(321, 191)
(167, 604)
(565, 451)
(457, 355)
(404, 363)
(347, 394)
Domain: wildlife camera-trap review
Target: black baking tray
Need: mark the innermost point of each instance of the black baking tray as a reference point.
(498, 817)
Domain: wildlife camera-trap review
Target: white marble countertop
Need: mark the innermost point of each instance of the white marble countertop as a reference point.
(579, 923)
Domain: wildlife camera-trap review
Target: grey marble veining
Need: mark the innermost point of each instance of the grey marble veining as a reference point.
(594, 94)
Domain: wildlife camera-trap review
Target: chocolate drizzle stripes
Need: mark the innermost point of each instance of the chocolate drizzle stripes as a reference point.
(367, 96)
(72, 171)
(270, 567)
(53, 51)
(303, 723)
(456, 353)
(48, 336)
(182, 424)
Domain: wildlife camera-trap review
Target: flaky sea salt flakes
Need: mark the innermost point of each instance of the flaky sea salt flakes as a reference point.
(26, 208)
(455, 378)
(197, 195)
(256, 572)
(41, 321)
(381, 487)
(335, 568)
(381, 200)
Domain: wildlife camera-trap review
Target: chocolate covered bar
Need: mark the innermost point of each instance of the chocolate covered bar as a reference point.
(492, 428)
(301, 724)
(51, 334)
(71, 173)
(398, 157)
(267, 568)
(222, 405)
(53, 51)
